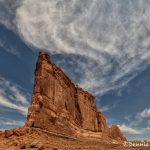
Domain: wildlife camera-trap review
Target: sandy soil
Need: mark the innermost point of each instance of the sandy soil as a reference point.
(37, 139)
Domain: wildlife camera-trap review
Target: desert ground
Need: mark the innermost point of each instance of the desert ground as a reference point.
(40, 140)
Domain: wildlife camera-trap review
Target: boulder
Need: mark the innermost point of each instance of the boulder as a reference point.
(8, 133)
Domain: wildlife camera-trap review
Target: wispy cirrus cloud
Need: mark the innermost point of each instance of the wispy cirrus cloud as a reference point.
(138, 125)
(13, 97)
(145, 113)
(7, 48)
(10, 122)
(127, 129)
(139, 118)
(135, 133)
(112, 35)
(8, 12)
(7, 123)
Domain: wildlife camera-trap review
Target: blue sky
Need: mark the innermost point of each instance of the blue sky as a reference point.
(103, 45)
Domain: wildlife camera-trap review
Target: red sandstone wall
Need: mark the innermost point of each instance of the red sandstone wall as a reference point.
(60, 106)
(50, 81)
(88, 110)
(54, 97)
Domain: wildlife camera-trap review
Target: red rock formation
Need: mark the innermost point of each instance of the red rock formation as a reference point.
(115, 133)
(16, 132)
(102, 123)
(60, 106)
(88, 110)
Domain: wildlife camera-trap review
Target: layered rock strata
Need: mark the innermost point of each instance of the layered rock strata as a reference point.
(59, 106)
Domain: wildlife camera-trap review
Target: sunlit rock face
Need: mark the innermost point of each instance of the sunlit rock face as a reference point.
(58, 105)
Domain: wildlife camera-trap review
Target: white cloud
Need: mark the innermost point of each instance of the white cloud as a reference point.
(135, 133)
(105, 108)
(108, 107)
(127, 129)
(145, 113)
(9, 122)
(7, 12)
(9, 49)
(12, 96)
(112, 35)
(6, 103)
(130, 130)
(139, 118)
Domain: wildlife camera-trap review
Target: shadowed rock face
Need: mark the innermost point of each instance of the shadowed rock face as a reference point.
(102, 123)
(115, 133)
(58, 105)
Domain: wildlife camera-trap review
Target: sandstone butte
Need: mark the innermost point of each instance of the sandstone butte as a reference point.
(59, 106)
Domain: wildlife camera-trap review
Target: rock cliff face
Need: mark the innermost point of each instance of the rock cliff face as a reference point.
(115, 133)
(58, 105)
